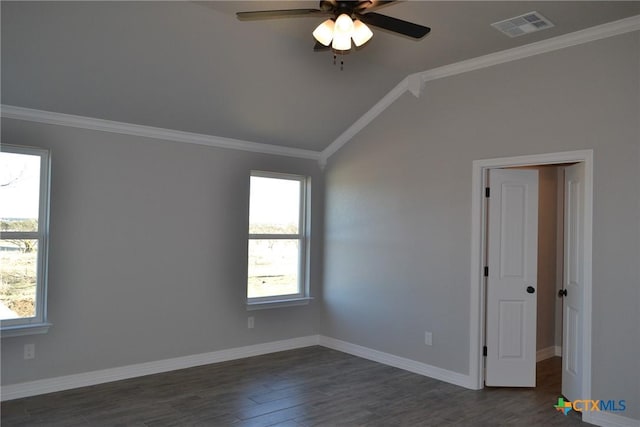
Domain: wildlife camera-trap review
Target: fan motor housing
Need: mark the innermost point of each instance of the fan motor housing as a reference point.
(339, 7)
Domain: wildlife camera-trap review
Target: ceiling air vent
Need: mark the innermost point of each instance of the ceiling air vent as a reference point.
(523, 24)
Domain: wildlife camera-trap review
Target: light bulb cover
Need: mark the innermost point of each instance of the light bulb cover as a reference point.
(341, 42)
(361, 33)
(324, 32)
(344, 24)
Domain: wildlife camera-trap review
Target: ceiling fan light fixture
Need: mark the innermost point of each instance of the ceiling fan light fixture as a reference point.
(324, 32)
(343, 31)
(361, 33)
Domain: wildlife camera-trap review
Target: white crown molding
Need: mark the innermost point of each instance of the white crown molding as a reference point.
(415, 84)
(556, 43)
(81, 122)
(398, 362)
(363, 121)
(50, 385)
(587, 35)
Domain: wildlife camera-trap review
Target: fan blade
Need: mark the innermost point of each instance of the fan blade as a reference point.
(396, 25)
(268, 14)
(319, 47)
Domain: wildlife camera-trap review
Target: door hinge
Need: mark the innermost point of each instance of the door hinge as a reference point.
(484, 350)
(486, 271)
(487, 192)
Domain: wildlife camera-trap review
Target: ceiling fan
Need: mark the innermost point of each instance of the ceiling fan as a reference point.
(348, 22)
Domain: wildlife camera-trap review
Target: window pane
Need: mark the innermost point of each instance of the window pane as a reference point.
(273, 267)
(274, 206)
(19, 191)
(18, 274)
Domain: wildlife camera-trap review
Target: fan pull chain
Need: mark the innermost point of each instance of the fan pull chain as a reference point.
(335, 58)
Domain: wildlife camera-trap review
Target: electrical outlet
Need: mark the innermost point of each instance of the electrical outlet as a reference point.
(29, 351)
(428, 338)
(250, 322)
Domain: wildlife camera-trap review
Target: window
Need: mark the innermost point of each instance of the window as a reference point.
(278, 239)
(24, 221)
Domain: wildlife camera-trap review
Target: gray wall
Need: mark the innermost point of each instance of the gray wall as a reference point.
(397, 223)
(148, 252)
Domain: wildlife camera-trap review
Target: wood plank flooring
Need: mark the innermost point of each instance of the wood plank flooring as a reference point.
(305, 387)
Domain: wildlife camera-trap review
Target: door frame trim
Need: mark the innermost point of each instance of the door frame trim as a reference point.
(478, 240)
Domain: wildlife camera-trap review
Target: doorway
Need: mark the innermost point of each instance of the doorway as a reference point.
(479, 239)
(524, 276)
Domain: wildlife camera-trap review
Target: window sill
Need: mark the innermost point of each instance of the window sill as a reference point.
(19, 330)
(263, 305)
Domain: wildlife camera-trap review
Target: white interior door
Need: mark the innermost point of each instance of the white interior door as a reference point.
(512, 256)
(573, 284)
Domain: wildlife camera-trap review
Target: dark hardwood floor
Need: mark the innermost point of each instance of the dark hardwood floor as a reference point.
(304, 387)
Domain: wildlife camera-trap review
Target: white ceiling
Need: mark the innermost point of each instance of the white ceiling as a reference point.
(192, 66)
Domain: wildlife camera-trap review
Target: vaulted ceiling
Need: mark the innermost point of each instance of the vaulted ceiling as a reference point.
(192, 66)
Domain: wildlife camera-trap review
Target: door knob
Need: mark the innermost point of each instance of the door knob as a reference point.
(531, 289)
(562, 293)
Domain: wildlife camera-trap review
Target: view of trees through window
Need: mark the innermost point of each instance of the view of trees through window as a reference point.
(19, 209)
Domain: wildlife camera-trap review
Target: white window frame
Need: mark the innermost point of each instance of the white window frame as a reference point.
(302, 297)
(39, 323)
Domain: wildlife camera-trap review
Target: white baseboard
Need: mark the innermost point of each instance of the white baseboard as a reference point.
(607, 419)
(398, 362)
(549, 352)
(50, 385)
